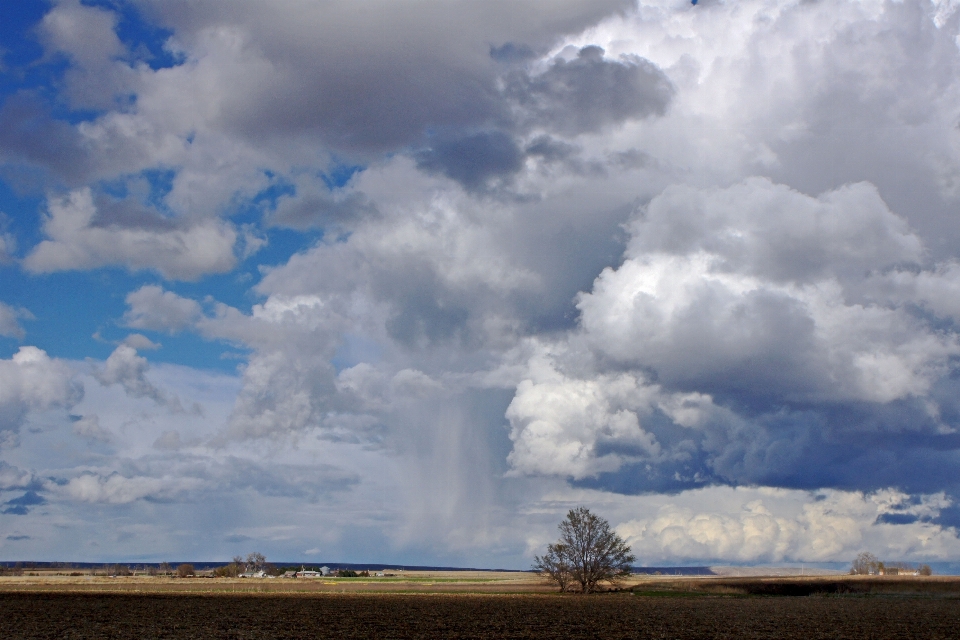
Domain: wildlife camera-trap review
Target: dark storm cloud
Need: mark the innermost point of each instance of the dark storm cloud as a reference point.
(572, 97)
(819, 447)
(473, 160)
(425, 311)
(373, 79)
(590, 92)
(512, 52)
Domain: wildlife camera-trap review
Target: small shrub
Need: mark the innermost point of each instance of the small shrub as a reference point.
(185, 571)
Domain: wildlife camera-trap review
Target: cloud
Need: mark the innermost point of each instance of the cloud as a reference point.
(589, 92)
(88, 426)
(10, 321)
(308, 482)
(140, 342)
(945, 9)
(315, 205)
(83, 32)
(21, 506)
(128, 369)
(185, 478)
(759, 289)
(762, 525)
(8, 245)
(751, 335)
(579, 427)
(32, 381)
(87, 37)
(316, 59)
(168, 441)
(694, 267)
(13, 478)
(79, 240)
(117, 489)
(30, 136)
(150, 307)
(474, 159)
(585, 94)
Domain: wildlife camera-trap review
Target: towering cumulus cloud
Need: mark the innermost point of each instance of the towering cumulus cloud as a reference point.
(786, 336)
(412, 279)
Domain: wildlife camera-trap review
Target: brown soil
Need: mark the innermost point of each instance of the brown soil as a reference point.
(72, 615)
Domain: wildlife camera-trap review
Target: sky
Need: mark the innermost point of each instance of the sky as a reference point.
(403, 282)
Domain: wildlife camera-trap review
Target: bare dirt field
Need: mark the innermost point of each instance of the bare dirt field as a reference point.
(478, 605)
(620, 615)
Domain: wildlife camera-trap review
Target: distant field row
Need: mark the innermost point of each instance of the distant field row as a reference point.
(486, 583)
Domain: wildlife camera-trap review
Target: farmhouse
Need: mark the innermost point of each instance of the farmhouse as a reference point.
(308, 574)
(253, 574)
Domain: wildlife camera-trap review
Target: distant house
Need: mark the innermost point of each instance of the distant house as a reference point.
(253, 574)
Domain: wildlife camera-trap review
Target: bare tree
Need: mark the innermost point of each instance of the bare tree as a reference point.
(255, 561)
(185, 571)
(864, 563)
(553, 565)
(588, 553)
(925, 570)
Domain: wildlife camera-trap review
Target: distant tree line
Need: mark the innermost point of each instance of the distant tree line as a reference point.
(868, 564)
(253, 563)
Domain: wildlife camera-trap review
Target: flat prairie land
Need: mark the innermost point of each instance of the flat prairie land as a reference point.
(401, 582)
(485, 582)
(482, 604)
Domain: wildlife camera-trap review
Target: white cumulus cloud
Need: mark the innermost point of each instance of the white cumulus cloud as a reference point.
(77, 241)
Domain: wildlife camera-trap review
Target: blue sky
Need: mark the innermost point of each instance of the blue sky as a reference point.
(406, 283)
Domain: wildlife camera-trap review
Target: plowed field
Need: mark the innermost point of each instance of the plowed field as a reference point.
(63, 616)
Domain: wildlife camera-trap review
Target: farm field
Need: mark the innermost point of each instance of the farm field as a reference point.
(403, 582)
(617, 615)
(481, 582)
